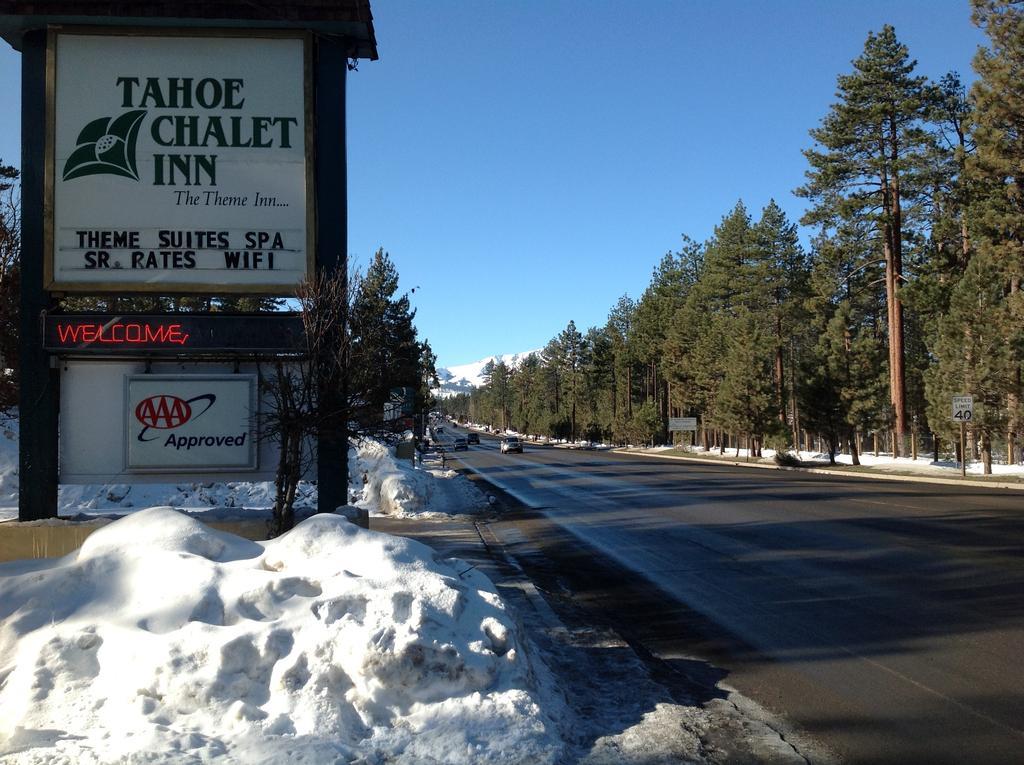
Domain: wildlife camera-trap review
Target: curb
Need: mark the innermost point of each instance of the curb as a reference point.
(495, 547)
(830, 472)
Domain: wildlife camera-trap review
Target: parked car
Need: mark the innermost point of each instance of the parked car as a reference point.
(473, 438)
(511, 444)
(460, 444)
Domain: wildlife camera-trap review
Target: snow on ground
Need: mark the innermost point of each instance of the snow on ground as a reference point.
(392, 487)
(395, 487)
(924, 465)
(220, 500)
(231, 499)
(884, 463)
(164, 641)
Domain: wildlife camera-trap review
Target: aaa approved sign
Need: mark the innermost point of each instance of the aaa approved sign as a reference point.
(193, 423)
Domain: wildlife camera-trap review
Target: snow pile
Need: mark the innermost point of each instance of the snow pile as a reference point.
(75, 499)
(79, 498)
(164, 641)
(390, 486)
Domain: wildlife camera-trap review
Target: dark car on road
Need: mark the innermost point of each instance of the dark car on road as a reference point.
(460, 444)
(473, 438)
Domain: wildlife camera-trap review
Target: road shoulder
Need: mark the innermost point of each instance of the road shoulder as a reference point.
(994, 483)
(625, 704)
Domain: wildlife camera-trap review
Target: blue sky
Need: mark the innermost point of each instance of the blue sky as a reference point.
(526, 163)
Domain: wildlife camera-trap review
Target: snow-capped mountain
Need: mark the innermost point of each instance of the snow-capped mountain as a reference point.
(463, 378)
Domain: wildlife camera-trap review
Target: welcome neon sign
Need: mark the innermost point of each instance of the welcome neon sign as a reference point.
(204, 333)
(73, 333)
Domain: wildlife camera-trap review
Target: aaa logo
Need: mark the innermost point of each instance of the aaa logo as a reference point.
(106, 146)
(166, 412)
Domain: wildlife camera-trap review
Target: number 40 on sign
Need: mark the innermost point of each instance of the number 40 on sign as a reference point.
(963, 408)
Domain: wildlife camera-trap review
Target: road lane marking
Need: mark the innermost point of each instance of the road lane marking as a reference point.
(887, 504)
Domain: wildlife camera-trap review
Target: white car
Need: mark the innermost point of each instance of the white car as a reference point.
(511, 444)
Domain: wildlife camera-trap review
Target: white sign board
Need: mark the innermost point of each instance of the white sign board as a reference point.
(195, 423)
(963, 408)
(95, 424)
(178, 163)
(682, 423)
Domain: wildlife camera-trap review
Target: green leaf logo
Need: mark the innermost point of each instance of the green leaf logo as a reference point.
(106, 146)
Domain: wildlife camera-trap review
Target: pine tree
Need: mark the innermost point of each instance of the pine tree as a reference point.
(781, 269)
(599, 384)
(973, 355)
(870, 165)
(385, 351)
(248, 304)
(619, 331)
(525, 387)
(572, 357)
(670, 284)
(727, 281)
(553, 422)
(699, 330)
(847, 311)
(498, 391)
(845, 381)
(484, 395)
(952, 188)
(997, 121)
(645, 424)
(822, 404)
(745, 402)
(996, 167)
(948, 247)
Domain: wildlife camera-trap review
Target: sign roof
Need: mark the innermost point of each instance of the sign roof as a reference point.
(350, 18)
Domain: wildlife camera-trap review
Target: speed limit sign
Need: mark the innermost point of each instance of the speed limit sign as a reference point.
(963, 408)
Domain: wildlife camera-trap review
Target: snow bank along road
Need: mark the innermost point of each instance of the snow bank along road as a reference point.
(885, 618)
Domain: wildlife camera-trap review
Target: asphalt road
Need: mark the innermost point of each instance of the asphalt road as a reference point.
(885, 618)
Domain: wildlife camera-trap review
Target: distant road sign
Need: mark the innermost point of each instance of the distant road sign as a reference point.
(682, 423)
(963, 408)
(400, 405)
